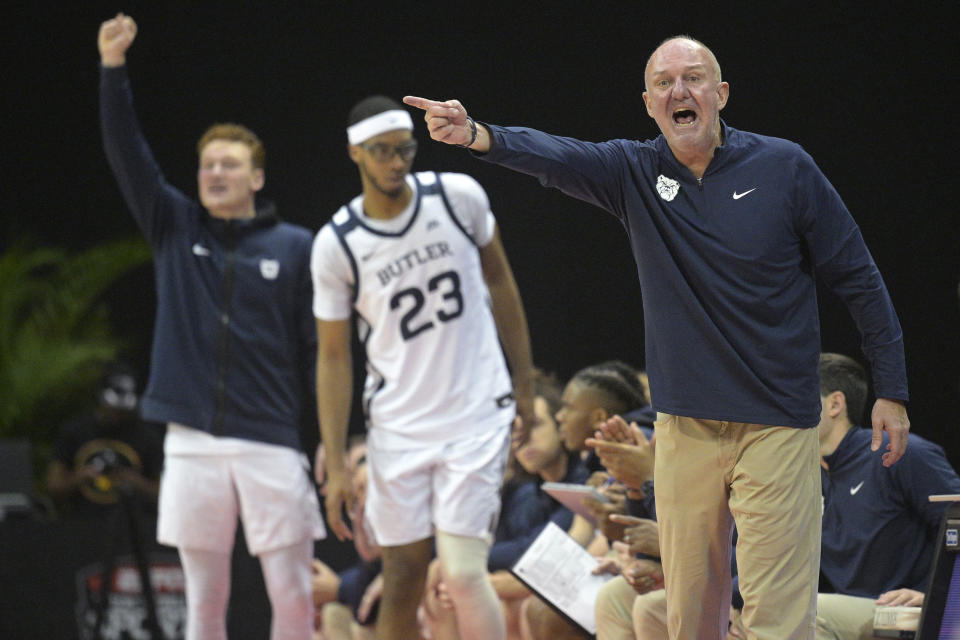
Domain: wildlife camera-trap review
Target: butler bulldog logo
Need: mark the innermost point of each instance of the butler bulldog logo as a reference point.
(667, 188)
(269, 269)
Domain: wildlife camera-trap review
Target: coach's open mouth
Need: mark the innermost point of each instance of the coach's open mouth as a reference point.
(684, 117)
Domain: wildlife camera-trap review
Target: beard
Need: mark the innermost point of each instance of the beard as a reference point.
(372, 181)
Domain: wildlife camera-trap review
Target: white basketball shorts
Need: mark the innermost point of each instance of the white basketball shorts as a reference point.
(452, 487)
(208, 482)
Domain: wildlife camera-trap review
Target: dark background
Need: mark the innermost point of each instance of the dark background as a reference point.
(869, 92)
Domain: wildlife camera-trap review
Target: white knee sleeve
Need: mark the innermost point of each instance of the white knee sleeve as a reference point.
(463, 561)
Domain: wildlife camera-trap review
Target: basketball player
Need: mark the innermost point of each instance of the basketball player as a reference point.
(230, 371)
(418, 258)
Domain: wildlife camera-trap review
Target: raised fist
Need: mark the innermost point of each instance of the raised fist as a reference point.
(115, 37)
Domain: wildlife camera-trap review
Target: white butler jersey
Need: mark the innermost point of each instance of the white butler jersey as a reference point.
(435, 369)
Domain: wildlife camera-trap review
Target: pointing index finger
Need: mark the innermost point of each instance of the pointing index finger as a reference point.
(421, 103)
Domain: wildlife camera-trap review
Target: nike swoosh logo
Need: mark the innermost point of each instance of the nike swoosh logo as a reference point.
(737, 196)
(200, 250)
(853, 490)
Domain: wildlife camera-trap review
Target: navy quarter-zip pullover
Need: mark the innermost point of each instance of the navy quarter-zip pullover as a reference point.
(727, 267)
(234, 343)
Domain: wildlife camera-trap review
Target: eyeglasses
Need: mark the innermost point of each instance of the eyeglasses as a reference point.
(382, 152)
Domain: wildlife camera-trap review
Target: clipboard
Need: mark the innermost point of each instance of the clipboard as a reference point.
(560, 572)
(571, 495)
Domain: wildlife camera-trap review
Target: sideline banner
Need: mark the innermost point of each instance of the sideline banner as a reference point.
(125, 615)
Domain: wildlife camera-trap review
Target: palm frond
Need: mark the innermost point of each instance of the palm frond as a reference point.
(55, 336)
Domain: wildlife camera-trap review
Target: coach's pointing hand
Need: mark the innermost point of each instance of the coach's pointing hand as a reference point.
(448, 122)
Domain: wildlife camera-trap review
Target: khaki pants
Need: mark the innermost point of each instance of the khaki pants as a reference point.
(621, 614)
(844, 617)
(838, 617)
(650, 616)
(613, 610)
(710, 475)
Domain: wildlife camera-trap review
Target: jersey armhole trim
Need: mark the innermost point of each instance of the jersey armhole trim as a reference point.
(341, 230)
(453, 216)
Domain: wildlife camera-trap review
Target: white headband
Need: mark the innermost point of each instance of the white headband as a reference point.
(380, 123)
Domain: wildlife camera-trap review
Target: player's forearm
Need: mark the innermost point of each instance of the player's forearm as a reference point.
(334, 394)
(514, 333)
